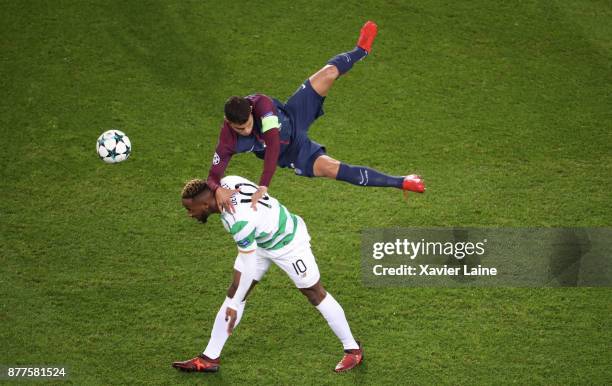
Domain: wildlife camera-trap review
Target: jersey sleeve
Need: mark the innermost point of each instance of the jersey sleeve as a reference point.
(272, 141)
(242, 231)
(223, 153)
(264, 109)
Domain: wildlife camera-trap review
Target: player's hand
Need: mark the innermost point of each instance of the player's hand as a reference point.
(224, 199)
(261, 191)
(230, 316)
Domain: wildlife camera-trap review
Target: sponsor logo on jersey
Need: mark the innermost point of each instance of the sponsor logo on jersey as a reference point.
(243, 243)
(216, 159)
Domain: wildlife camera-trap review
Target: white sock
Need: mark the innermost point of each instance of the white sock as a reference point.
(334, 314)
(219, 335)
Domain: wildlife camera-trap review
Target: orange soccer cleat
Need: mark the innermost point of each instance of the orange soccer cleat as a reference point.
(198, 364)
(350, 360)
(367, 35)
(413, 183)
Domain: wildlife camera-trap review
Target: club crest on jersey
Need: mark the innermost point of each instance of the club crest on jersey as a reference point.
(216, 159)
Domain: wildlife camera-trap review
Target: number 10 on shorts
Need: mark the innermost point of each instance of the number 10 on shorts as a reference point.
(299, 267)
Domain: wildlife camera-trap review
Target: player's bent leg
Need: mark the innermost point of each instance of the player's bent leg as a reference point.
(333, 313)
(219, 334)
(301, 266)
(340, 64)
(208, 361)
(322, 80)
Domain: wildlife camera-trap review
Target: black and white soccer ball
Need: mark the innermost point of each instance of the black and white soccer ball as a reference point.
(113, 146)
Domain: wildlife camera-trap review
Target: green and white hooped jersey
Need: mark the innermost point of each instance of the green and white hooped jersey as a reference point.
(271, 227)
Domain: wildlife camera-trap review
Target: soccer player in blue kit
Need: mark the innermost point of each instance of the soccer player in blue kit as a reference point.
(278, 133)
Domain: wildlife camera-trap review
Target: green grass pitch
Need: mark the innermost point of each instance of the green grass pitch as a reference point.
(505, 107)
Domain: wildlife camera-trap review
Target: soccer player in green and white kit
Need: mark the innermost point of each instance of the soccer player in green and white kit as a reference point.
(269, 234)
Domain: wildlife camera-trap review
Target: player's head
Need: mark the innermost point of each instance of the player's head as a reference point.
(198, 200)
(238, 115)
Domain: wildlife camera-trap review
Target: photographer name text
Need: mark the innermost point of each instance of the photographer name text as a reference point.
(427, 270)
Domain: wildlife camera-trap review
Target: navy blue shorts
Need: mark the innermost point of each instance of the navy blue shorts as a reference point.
(304, 107)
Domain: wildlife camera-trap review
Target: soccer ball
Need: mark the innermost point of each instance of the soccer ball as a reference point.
(113, 146)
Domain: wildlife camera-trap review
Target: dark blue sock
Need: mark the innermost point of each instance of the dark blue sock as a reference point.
(364, 176)
(345, 60)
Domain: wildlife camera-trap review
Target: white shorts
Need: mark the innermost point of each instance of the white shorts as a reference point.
(296, 259)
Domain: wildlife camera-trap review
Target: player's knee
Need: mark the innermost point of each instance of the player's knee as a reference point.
(315, 294)
(311, 296)
(330, 72)
(326, 166)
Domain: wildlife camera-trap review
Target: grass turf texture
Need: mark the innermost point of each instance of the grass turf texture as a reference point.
(503, 107)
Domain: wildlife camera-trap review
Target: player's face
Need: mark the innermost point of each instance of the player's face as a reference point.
(197, 209)
(245, 128)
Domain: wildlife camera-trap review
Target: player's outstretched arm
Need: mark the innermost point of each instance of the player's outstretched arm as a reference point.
(272, 140)
(217, 170)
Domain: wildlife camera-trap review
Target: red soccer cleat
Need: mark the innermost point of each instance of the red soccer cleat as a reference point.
(200, 364)
(413, 183)
(367, 35)
(350, 360)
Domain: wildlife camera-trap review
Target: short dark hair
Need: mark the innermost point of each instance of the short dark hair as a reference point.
(237, 109)
(193, 188)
